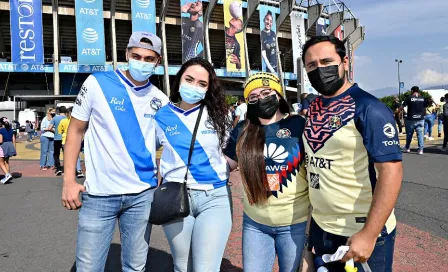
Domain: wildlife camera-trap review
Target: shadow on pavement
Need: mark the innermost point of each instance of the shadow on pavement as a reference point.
(227, 266)
(158, 260)
(435, 151)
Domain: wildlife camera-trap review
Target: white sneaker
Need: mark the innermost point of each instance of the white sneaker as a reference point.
(420, 152)
(3, 180)
(426, 136)
(8, 177)
(407, 150)
(430, 138)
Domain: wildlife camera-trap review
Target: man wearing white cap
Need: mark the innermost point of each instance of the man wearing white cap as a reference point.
(115, 110)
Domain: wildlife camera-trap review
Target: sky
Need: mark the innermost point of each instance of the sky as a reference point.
(415, 31)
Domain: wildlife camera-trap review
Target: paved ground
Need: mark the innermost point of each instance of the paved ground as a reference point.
(38, 234)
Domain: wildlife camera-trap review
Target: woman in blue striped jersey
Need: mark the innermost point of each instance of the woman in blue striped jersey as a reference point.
(198, 241)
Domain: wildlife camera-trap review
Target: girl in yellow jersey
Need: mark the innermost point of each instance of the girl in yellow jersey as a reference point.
(268, 149)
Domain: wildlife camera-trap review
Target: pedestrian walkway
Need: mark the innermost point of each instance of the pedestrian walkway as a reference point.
(32, 221)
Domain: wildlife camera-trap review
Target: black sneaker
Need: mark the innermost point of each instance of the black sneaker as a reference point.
(440, 135)
(59, 172)
(79, 174)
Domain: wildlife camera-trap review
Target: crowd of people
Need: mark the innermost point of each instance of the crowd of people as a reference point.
(53, 129)
(343, 159)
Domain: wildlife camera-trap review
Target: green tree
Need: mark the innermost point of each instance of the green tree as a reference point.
(230, 99)
(389, 100)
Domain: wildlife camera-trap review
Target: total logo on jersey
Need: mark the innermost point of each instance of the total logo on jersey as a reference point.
(389, 131)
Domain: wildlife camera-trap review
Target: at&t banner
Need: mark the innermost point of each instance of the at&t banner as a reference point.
(144, 16)
(192, 29)
(233, 21)
(298, 40)
(90, 32)
(26, 31)
(268, 39)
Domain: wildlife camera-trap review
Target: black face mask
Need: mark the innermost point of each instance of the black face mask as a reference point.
(326, 80)
(265, 108)
(53, 114)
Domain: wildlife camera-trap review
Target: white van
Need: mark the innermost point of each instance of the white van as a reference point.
(27, 114)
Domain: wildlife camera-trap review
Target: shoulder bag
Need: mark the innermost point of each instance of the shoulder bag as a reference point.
(171, 198)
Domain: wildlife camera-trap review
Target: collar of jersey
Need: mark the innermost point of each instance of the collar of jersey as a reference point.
(181, 111)
(126, 80)
(344, 94)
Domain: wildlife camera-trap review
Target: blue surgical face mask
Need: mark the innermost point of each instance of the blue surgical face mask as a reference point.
(191, 94)
(140, 70)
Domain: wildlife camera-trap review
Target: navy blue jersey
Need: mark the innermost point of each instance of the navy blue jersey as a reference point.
(284, 156)
(268, 40)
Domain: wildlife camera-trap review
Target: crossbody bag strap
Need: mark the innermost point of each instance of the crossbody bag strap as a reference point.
(193, 139)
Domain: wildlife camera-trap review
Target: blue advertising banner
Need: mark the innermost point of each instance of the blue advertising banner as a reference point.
(90, 32)
(27, 44)
(144, 15)
(268, 39)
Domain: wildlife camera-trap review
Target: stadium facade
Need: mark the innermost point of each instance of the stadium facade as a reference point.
(49, 47)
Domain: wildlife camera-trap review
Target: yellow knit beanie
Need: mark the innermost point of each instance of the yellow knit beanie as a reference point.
(262, 79)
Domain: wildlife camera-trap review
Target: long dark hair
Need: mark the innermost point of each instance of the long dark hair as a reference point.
(5, 122)
(250, 149)
(215, 99)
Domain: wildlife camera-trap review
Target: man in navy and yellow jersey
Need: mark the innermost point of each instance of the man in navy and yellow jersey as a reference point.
(353, 161)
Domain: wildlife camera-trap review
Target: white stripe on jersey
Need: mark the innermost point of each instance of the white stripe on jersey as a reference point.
(208, 169)
(120, 143)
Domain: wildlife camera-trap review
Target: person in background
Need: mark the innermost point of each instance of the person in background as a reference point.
(397, 114)
(54, 124)
(268, 149)
(62, 129)
(415, 118)
(3, 165)
(440, 116)
(240, 112)
(29, 129)
(47, 141)
(8, 145)
(197, 241)
(429, 119)
(445, 124)
(306, 101)
(15, 128)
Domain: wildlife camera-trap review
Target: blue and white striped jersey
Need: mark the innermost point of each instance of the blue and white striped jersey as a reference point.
(208, 169)
(120, 144)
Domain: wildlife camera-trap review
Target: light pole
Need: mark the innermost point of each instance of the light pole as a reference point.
(399, 84)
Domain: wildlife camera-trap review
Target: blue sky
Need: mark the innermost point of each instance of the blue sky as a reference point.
(415, 31)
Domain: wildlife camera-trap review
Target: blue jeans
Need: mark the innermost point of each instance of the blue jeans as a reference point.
(78, 162)
(261, 243)
(381, 259)
(440, 124)
(429, 124)
(417, 126)
(198, 241)
(46, 151)
(30, 135)
(96, 225)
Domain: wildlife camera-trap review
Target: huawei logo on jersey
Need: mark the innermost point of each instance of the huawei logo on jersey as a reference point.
(280, 165)
(277, 154)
